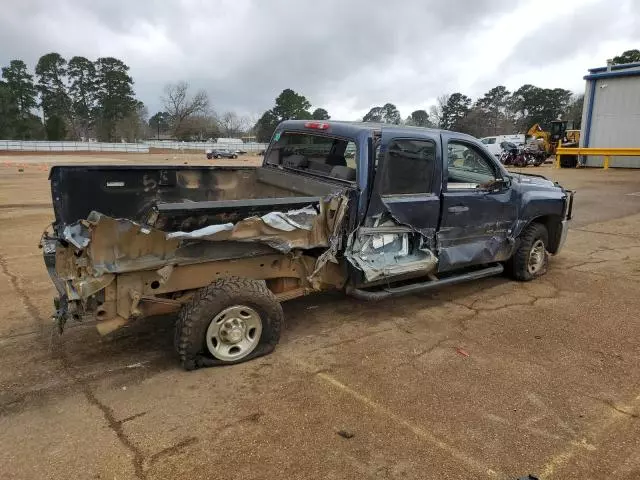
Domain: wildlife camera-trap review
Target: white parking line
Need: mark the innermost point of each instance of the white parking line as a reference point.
(420, 432)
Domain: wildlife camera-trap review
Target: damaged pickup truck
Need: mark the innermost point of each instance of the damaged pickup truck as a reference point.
(413, 209)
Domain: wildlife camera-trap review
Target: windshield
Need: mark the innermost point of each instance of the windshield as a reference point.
(557, 128)
(317, 154)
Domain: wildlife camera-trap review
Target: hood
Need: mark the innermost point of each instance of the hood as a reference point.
(533, 180)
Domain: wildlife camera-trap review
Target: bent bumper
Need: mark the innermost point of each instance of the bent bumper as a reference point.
(564, 224)
(568, 212)
(564, 228)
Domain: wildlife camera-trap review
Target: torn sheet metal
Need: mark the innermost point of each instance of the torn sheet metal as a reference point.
(303, 228)
(121, 245)
(201, 232)
(83, 288)
(337, 206)
(390, 250)
(302, 219)
(88, 286)
(77, 235)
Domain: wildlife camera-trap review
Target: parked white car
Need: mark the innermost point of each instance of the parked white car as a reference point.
(493, 143)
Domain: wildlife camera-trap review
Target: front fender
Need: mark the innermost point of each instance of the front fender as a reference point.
(548, 208)
(541, 203)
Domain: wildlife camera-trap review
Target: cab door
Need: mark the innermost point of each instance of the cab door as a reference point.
(478, 208)
(398, 235)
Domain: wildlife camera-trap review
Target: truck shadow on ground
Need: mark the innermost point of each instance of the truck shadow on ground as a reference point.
(149, 342)
(141, 350)
(145, 349)
(333, 309)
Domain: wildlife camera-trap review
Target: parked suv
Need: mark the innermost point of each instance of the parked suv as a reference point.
(221, 154)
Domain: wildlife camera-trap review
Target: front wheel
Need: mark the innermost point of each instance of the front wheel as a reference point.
(217, 156)
(530, 259)
(230, 321)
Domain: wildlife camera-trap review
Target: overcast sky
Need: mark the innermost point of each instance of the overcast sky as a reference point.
(343, 55)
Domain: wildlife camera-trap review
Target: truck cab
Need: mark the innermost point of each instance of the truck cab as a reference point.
(424, 197)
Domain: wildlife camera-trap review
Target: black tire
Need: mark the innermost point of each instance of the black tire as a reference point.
(568, 161)
(199, 312)
(234, 156)
(518, 264)
(217, 156)
(209, 156)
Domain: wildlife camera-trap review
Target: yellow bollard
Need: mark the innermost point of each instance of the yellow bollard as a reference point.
(558, 156)
(606, 162)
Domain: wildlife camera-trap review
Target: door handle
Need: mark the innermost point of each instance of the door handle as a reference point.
(458, 209)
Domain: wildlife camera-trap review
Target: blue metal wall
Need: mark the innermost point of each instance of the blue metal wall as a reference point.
(611, 114)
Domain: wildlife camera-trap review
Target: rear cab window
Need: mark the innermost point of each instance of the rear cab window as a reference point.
(322, 155)
(409, 166)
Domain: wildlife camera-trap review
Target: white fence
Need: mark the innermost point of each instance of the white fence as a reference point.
(202, 146)
(38, 146)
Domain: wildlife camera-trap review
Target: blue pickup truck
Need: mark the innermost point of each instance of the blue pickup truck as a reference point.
(373, 210)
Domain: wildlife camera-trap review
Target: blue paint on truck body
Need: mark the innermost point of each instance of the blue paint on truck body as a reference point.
(464, 226)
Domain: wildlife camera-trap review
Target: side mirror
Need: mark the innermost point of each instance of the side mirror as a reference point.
(496, 185)
(502, 183)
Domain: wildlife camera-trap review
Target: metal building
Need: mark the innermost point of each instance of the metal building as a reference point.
(611, 113)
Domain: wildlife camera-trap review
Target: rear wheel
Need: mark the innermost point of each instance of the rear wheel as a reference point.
(530, 259)
(230, 321)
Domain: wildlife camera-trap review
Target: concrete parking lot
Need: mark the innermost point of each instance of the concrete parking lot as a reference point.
(492, 379)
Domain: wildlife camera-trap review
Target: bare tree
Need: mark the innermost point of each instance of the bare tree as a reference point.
(134, 126)
(198, 128)
(232, 125)
(181, 106)
(435, 111)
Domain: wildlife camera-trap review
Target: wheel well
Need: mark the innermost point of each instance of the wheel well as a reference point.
(553, 224)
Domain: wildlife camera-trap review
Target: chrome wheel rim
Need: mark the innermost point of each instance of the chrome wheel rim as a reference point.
(536, 257)
(234, 333)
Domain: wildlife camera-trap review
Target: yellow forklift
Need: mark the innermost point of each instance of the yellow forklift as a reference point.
(560, 130)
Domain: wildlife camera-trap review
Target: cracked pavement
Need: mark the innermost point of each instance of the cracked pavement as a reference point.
(492, 379)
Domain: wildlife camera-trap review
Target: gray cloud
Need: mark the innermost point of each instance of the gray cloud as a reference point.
(576, 33)
(347, 55)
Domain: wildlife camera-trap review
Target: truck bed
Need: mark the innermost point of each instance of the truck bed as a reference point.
(180, 197)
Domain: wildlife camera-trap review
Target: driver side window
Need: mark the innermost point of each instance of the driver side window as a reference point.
(468, 168)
